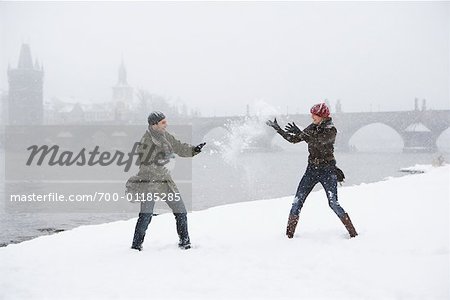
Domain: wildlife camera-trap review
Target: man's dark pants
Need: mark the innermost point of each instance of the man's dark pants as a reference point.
(145, 216)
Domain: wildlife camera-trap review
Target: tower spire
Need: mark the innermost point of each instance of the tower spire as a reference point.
(122, 73)
(25, 96)
(25, 60)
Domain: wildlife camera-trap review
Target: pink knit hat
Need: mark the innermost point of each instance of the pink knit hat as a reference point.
(320, 110)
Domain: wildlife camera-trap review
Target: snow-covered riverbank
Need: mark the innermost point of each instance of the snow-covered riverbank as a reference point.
(240, 251)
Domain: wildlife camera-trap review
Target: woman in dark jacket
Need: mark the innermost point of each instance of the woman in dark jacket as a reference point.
(320, 137)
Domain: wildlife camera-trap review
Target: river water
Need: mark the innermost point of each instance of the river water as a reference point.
(217, 181)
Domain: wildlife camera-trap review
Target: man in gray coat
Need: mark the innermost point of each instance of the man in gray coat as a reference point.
(156, 148)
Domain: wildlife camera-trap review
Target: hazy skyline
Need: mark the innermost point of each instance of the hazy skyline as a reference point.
(217, 57)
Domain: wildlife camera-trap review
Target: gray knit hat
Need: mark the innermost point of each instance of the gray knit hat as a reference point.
(155, 117)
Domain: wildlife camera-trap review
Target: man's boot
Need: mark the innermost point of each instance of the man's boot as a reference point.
(182, 230)
(292, 223)
(139, 232)
(348, 224)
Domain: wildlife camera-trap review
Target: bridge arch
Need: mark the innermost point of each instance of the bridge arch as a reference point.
(443, 141)
(376, 137)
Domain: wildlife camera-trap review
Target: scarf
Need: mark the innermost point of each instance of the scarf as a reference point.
(160, 140)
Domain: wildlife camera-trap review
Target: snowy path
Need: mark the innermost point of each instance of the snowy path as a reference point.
(240, 251)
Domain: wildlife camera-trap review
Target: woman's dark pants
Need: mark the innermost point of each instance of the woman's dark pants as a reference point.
(326, 175)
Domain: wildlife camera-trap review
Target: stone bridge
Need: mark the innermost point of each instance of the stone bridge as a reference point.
(418, 129)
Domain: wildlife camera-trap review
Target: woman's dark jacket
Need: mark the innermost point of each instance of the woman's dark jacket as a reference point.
(320, 139)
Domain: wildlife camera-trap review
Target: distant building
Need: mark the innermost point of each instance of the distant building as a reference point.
(25, 95)
(24, 103)
(3, 108)
(416, 104)
(74, 111)
(424, 105)
(96, 113)
(122, 95)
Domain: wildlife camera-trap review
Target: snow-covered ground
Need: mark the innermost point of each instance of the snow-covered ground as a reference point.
(240, 251)
(417, 169)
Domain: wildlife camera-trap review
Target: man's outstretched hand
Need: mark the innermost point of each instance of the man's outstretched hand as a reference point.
(199, 147)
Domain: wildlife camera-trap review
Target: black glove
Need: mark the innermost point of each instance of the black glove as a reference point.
(273, 124)
(292, 128)
(199, 147)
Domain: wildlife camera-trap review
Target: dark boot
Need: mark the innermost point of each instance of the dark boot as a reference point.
(182, 230)
(292, 223)
(348, 224)
(139, 232)
(184, 244)
(139, 248)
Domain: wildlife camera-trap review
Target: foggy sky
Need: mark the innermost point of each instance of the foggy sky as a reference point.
(217, 57)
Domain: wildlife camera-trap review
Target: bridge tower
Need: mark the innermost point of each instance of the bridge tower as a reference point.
(25, 95)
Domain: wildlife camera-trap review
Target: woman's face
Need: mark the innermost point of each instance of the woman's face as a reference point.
(316, 119)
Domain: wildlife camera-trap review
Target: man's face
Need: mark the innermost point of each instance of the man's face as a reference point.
(316, 119)
(161, 126)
